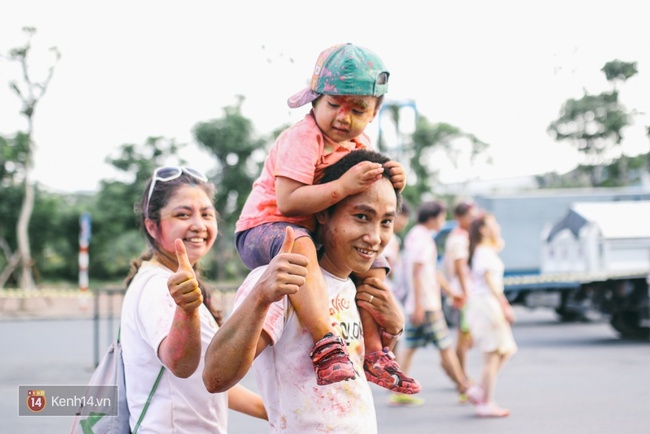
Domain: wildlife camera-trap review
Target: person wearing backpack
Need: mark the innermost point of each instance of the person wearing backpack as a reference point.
(164, 321)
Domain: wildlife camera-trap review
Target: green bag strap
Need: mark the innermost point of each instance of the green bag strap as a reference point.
(153, 390)
(146, 405)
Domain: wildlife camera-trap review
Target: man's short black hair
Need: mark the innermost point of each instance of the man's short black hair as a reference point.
(431, 209)
(463, 207)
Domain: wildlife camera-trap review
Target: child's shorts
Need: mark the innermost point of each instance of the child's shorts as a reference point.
(258, 245)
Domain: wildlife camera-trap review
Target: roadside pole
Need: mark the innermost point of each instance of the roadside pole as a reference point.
(84, 241)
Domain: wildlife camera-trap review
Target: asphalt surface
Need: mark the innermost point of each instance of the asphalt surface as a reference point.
(566, 378)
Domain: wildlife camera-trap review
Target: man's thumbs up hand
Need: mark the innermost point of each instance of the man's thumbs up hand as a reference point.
(285, 274)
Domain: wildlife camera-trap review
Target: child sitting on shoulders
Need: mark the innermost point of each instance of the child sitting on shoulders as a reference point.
(346, 92)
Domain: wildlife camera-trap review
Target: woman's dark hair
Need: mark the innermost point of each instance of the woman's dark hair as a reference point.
(336, 170)
(475, 234)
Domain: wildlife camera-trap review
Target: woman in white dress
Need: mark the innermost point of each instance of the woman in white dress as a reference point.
(489, 313)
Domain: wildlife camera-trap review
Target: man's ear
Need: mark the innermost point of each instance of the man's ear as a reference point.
(151, 227)
(322, 217)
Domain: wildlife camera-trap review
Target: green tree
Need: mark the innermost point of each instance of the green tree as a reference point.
(428, 140)
(595, 123)
(617, 70)
(417, 150)
(53, 245)
(30, 93)
(13, 155)
(116, 236)
(232, 141)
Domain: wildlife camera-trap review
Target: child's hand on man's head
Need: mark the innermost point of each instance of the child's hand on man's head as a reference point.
(361, 176)
(397, 174)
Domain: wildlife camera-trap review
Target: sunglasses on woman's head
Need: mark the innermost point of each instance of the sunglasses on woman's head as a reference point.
(169, 173)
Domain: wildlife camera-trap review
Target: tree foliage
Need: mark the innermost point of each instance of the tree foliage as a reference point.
(430, 140)
(421, 150)
(231, 139)
(116, 235)
(30, 91)
(594, 123)
(232, 142)
(617, 70)
(14, 154)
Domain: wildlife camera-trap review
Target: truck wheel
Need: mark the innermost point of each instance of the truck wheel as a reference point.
(627, 324)
(569, 316)
(569, 310)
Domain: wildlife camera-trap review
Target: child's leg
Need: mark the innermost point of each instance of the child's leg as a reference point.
(379, 363)
(463, 340)
(256, 247)
(329, 355)
(371, 334)
(312, 300)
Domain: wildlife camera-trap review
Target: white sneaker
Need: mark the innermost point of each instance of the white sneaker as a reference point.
(475, 394)
(491, 409)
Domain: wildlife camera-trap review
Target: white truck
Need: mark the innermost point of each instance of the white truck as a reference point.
(584, 253)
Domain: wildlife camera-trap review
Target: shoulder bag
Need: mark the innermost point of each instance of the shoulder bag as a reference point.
(110, 372)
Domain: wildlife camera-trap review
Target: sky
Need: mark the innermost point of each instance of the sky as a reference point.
(499, 69)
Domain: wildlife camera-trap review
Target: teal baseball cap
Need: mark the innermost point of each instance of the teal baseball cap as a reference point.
(344, 69)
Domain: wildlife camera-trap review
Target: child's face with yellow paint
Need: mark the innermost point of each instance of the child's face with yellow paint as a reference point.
(344, 117)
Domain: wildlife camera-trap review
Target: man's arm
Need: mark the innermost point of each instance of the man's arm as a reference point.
(418, 314)
(241, 338)
(247, 402)
(233, 348)
(457, 300)
(497, 291)
(384, 308)
(460, 269)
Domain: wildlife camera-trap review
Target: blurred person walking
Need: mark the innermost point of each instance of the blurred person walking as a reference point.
(456, 271)
(489, 313)
(425, 321)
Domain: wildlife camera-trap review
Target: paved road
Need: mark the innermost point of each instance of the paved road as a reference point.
(566, 378)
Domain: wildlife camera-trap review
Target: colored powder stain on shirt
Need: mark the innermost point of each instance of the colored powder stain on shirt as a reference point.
(274, 315)
(328, 400)
(358, 350)
(338, 405)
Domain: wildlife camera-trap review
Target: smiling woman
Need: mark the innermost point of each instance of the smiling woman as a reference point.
(165, 320)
